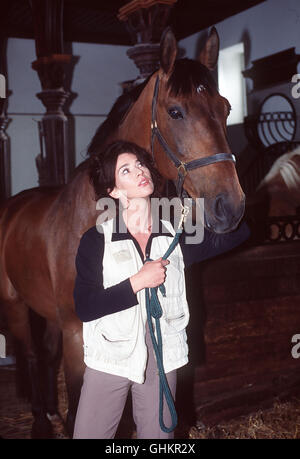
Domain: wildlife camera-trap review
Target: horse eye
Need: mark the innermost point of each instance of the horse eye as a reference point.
(175, 113)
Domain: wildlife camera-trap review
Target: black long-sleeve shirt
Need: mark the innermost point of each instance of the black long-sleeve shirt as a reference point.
(93, 301)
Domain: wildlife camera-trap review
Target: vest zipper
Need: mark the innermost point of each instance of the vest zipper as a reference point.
(147, 250)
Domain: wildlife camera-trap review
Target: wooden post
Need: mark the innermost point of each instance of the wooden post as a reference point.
(5, 169)
(145, 21)
(53, 162)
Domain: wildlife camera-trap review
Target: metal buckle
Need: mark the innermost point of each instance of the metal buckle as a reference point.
(184, 213)
(182, 166)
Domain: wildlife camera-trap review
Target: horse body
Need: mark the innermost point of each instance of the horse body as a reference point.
(18, 242)
(40, 231)
(40, 228)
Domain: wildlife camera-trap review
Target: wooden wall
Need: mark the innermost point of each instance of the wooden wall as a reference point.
(243, 317)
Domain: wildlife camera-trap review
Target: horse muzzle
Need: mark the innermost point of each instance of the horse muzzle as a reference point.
(222, 214)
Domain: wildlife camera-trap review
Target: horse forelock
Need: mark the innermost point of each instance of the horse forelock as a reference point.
(287, 168)
(189, 76)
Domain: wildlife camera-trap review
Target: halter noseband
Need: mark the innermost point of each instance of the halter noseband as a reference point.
(182, 167)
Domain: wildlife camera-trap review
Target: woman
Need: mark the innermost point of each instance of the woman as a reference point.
(112, 274)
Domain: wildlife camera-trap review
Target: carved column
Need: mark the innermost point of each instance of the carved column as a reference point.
(145, 21)
(53, 162)
(5, 169)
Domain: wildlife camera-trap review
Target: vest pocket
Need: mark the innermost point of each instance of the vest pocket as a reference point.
(176, 316)
(116, 348)
(116, 333)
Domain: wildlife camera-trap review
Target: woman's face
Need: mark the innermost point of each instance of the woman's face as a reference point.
(132, 179)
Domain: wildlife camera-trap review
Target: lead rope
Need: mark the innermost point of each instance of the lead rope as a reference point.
(154, 310)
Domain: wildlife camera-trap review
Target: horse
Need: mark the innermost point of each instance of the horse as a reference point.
(281, 185)
(40, 228)
(277, 195)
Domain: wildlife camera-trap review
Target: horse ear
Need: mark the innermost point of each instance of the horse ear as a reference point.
(168, 50)
(209, 54)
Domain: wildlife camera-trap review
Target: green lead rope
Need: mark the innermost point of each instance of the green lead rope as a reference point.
(154, 310)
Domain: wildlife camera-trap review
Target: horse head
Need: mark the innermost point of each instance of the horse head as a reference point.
(179, 114)
(190, 115)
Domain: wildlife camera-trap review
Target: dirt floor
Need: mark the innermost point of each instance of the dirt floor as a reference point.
(282, 421)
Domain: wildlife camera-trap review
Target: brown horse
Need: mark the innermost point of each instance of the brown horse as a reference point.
(40, 228)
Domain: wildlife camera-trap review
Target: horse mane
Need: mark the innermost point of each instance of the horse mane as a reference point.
(186, 76)
(115, 117)
(287, 168)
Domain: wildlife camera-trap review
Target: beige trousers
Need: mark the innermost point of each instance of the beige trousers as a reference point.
(103, 398)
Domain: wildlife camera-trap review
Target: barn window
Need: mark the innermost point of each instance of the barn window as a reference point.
(231, 81)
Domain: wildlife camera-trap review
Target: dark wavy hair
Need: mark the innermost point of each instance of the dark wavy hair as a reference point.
(102, 167)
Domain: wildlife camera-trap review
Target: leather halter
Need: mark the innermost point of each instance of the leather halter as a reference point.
(181, 167)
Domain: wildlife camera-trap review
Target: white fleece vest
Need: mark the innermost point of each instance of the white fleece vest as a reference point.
(116, 343)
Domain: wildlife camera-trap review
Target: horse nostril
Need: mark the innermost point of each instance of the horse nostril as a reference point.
(222, 214)
(220, 208)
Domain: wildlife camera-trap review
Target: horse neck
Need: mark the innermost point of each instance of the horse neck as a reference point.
(76, 201)
(137, 125)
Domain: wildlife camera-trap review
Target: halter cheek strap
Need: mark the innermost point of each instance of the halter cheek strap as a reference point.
(182, 167)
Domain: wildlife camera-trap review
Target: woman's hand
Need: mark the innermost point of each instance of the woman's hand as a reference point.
(152, 274)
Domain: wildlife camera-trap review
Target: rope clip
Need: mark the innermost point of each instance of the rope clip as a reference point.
(184, 213)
